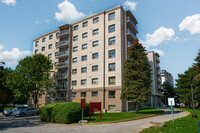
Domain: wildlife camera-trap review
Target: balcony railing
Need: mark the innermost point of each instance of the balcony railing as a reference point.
(61, 65)
(129, 44)
(62, 88)
(131, 33)
(129, 20)
(65, 53)
(63, 32)
(63, 43)
(60, 76)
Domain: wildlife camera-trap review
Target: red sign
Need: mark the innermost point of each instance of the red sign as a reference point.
(95, 106)
(82, 103)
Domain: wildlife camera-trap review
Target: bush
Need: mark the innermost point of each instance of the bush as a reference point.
(62, 112)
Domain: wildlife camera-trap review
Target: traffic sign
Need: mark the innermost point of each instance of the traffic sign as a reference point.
(171, 102)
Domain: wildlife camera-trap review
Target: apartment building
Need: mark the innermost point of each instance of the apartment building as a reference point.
(154, 61)
(166, 77)
(88, 58)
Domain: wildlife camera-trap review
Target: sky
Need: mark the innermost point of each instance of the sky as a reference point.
(169, 27)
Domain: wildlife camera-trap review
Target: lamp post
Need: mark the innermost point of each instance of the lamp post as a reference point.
(194, 115)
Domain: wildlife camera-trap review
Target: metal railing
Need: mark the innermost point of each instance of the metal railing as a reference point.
(61, 65)
(131, 33)
(60, 76)
(62, 53)
(63, 32)
(129, 20)
(62, 43)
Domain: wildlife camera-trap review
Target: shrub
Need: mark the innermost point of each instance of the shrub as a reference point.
(62, 112)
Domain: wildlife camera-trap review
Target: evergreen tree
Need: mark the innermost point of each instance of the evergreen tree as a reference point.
(168, 91)
(137, 76)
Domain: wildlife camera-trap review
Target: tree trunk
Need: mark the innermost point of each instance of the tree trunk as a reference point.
(35, 100)
(137, 108)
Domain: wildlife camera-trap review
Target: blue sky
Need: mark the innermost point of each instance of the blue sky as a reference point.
(170, 27)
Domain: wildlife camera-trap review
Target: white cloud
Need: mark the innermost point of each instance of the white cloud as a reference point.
(159, 35)
(12, 57)
(160, 52)
(131, 4)
(68, 12)
(9, 2)
(1, 47)
(47, 21)
(191, 23)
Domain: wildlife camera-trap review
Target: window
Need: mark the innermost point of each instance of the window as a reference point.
(57, 34)
(111, 54)
(94, 93)
(111, 16)
(95, 20)
(111, 67)
(75, 48)
(84, 58)
(43, 48)
(40, 95)
(96, 31)
(74, 82)
(57, 43)
(50, 55)
(112, 107)
(36, 52)
(47, 96)
(83, 94)
(111, 94)
(84, 46)
(74, 71)
(36, 43)
(83, 69)
(95, 43)
(95, 56)
(73, 94)
(95, 68)
(95, 81)
(85, 35)
(111, 80)
(50, 37)
(75, 38)
(50, 46)
(85, 24)
(111, 41)
(56, 53)
(111, 28)
(43, 39)
(74, 60)
(83, 82)
(56, 63)
(76, 27)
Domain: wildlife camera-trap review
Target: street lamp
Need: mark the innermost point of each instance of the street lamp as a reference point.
(194, 115)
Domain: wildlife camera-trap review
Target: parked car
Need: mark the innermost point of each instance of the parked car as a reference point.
(26, 112)
(10, 112)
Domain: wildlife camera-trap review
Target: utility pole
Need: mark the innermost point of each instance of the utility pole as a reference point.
(194, 115)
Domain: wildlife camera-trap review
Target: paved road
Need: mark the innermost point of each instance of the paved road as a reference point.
(27, 125)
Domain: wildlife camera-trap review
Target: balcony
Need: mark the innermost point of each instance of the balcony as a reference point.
(62, 88)
(157, 60)
(131, 36)
(62, 54)
(61, 65)
(60, 99)
(63, 33)
(60, 76)
(157, 66)
(63, 43)
(131, 24)
(129, 44)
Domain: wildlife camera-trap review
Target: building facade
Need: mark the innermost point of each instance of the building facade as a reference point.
(166, 77)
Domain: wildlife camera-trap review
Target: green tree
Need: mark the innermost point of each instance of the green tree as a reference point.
(168, 91)
(137, 76)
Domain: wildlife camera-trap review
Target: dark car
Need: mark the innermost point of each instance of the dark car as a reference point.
(10, 112)
(26, 112)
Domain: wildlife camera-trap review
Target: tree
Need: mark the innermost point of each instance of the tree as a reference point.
(31, 77)
(168, 91)
(137, 76)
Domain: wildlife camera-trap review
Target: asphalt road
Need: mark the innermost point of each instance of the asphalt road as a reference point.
(28, 125)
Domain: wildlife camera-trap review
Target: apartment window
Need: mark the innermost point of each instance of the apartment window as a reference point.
(111, 16)
(111, 41)
(74, 71)
(112, 107)
(47, 96)
(50, 55)
(95, 68)
(95, 56)
(111, 28)
(84, 46)
(95, 43)
(95, 81)
(75, 48)
(85, 24)
(94, 93)
(56, 53)
(73, 94)
(57, 34)
(43, 39)
(85, 35)
(111, 94)
(50, 46)
(111, 67)
(74, 82)
(76, 27)
(95, 20)
(36, 52)
(74, 60)
(83, 82)
(57, 43)
(83, 69)
(40, 95)
(111, 54)
(84, 58)
(111, 80)
(83, 94)
(56, 63)
(96, 31)
(43, 48)
(50, 37)
(36, 43)
(75, 38)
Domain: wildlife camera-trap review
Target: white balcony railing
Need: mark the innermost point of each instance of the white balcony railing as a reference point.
(129, 20)
(62, 43)
(63, 32)
(62, 53)
(131, 33)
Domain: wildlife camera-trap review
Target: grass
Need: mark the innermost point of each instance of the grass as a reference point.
(120, 116)
(5, 108)
(181, 125)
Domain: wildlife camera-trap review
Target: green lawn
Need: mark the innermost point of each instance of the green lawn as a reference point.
(110, 117)
(181, 125)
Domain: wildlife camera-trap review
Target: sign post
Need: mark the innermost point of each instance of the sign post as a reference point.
(171, 103)
(82, 107)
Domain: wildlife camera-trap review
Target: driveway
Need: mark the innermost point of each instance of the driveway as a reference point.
(28, 125)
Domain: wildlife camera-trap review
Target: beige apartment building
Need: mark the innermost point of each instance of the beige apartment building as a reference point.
(166, 77)
(88, 58)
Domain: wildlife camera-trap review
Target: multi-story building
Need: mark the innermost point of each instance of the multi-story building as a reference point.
(166, 77)
(154, 61)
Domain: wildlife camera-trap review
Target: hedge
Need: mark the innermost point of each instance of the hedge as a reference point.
(62, 112)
